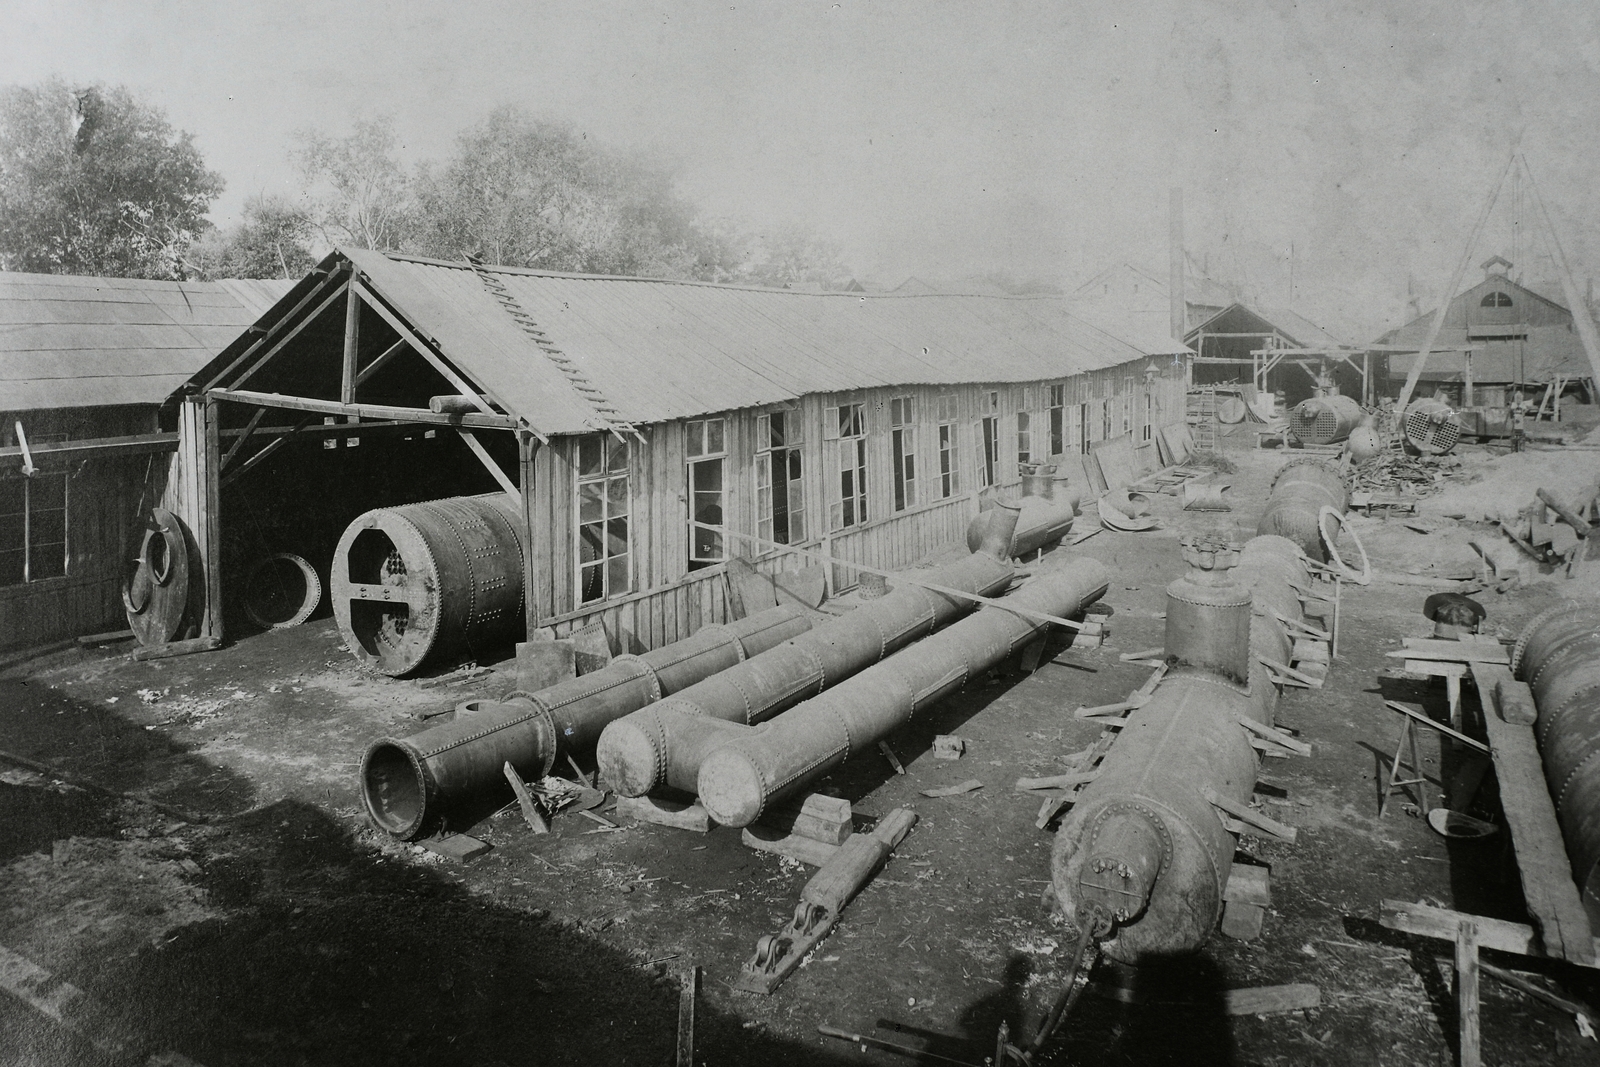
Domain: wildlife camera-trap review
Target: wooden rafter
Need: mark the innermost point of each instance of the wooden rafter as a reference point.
(250, 428)
(489, 464)
(352, 345)
(275, 327)
(278, 345)
(372, 368)
(426, 350)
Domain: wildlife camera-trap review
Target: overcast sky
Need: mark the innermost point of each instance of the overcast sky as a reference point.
(940, 139)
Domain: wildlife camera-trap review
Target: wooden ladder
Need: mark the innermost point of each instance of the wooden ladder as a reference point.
(609, 417)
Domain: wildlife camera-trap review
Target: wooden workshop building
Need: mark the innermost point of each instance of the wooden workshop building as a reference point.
(649, 429)
(85, 365)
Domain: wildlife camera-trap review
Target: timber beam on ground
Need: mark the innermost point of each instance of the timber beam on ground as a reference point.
(1424, 920)
(379, 412)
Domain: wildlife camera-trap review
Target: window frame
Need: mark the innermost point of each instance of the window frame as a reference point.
(607, 476)
(30, 550)
(947, 440)
(844, 433)
(903, 451)
(791, 454)
(698, 451)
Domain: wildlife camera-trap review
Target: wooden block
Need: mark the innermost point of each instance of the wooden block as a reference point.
(1515, 701)
(794, 846)
(948, 746)
(1249, 884)
(177, 648)
(1314, 670)
(1263, 1000)
(458, 847)
(661, 812)
(1547, 884)
(819, 817)
(1307, 650)
(968, 786)
(1242, 921)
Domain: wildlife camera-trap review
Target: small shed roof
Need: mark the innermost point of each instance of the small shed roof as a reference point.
(1291, 324)
(661, 350)
(69, 341)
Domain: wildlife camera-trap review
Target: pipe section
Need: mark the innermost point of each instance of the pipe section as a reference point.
(407, 782)
(1143, 856)
(738, 781)
(1047, 506)
(421, 582)
(1558, 655)
(1296, 499)
(664, 744)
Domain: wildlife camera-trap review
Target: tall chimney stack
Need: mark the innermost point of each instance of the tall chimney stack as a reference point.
(1178, 302)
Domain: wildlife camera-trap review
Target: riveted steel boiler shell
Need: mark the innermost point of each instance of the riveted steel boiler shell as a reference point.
(1324, 420)
(1558, 654)
(1299, 492)
(665, 743)
(407, 782)
(426, 581)
(1208, 626)
(1185, 740)
(738, 781)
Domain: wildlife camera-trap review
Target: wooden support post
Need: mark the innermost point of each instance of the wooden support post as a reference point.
(352, 346)
(211, 509)
(1467, 992)
(688, 990)
(527, 448)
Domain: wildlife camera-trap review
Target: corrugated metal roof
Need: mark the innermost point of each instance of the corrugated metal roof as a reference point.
(662, 350)
(70, 341)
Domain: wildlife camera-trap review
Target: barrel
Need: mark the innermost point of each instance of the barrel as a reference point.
(1298, 495)
(422, 582)
(1324, 420)
(1558, 655)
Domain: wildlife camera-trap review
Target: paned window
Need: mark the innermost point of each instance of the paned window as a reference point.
(988, 440)
(33, 528)
(903, 445)
(706, 448)
(1105, 419)
(949, 466)
(780, 492)
(1024, 437)
(1084, 425)
(604, 562)
(1058, 420)
(845, 427)
(1144, 427)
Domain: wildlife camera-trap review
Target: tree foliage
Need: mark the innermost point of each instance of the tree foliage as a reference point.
(526, 191)
(273, 241)
(358, 193)
(94, 182)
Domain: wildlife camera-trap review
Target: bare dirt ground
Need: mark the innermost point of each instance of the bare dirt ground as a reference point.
(251, 916)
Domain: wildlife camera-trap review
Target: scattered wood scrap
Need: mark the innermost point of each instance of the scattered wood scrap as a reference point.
(954, 790)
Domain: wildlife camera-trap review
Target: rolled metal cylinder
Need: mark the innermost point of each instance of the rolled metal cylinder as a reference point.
(779, 757)
(1143, 843)
(1430, 426)
(1208, 618)
(664, 744)
(1297, 497)
(424, 581)
(1558, 655)
(1325, 420)
(1184, 740)
(407, 783)
(1046, 510)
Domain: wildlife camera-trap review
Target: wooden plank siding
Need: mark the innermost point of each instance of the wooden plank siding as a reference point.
(669, 601)
(105, 495)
